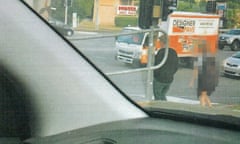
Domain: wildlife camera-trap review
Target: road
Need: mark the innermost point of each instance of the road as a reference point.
(101, 52)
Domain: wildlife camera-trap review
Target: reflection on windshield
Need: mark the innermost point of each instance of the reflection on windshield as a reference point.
(131, 39)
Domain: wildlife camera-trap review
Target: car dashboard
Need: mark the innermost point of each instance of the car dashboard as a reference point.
(143, 131)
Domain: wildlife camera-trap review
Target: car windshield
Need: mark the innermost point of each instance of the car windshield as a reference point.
(234, 32)
(180, 84)
(130, 39)
(236, 55)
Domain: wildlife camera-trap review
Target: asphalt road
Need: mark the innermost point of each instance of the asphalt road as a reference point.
(102, 52)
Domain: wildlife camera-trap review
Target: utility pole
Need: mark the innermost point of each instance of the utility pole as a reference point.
(150, 11)
(97, 15)
(66, 11)
(151, 59)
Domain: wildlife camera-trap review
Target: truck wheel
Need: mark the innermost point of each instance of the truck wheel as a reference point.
(190, 64)
(220, 47)
(235, 45)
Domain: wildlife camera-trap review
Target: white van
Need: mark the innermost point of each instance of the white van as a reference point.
(132, 48)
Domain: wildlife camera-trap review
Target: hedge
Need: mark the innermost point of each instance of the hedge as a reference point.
(123, 21)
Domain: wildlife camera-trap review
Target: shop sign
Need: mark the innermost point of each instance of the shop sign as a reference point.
(126, 10)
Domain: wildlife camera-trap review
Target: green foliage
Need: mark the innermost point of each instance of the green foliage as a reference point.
(232, 13)
(191, 5)
(59, 12)
(123, 21)
(233, 18)
(233, 4)
(83, 8)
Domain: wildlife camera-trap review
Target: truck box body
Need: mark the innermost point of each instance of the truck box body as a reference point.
(186, 30)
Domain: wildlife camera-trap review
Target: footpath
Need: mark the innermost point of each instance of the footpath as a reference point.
(91, 27)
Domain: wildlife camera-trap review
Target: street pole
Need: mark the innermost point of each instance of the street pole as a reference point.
(97, 15)
(149, 90)
(66, 11)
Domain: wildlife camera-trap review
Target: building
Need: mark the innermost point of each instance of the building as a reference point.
(105, 11)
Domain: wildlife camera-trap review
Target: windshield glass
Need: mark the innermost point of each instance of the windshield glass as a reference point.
(131, 39)
(236, 55)
(195, 78)
(234, 32)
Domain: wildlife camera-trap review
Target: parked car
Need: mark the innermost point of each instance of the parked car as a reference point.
(230, 38)
(62, 28)
(231, 65)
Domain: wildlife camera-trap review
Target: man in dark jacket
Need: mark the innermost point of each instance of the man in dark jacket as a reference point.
(163, 76)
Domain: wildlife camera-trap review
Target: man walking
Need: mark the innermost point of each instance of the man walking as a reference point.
(163, 76)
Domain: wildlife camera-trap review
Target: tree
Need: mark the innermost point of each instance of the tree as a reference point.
(188, 5)
(233, 12)
(83, 8)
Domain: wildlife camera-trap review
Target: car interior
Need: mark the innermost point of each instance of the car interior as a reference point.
(51, 93)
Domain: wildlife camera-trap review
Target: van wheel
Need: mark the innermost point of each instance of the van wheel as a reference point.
(136, 64)
(235, 45)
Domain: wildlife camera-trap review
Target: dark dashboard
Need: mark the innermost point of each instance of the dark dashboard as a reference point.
(143, 131)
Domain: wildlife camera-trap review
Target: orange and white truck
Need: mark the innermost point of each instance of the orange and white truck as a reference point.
(185, 31)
